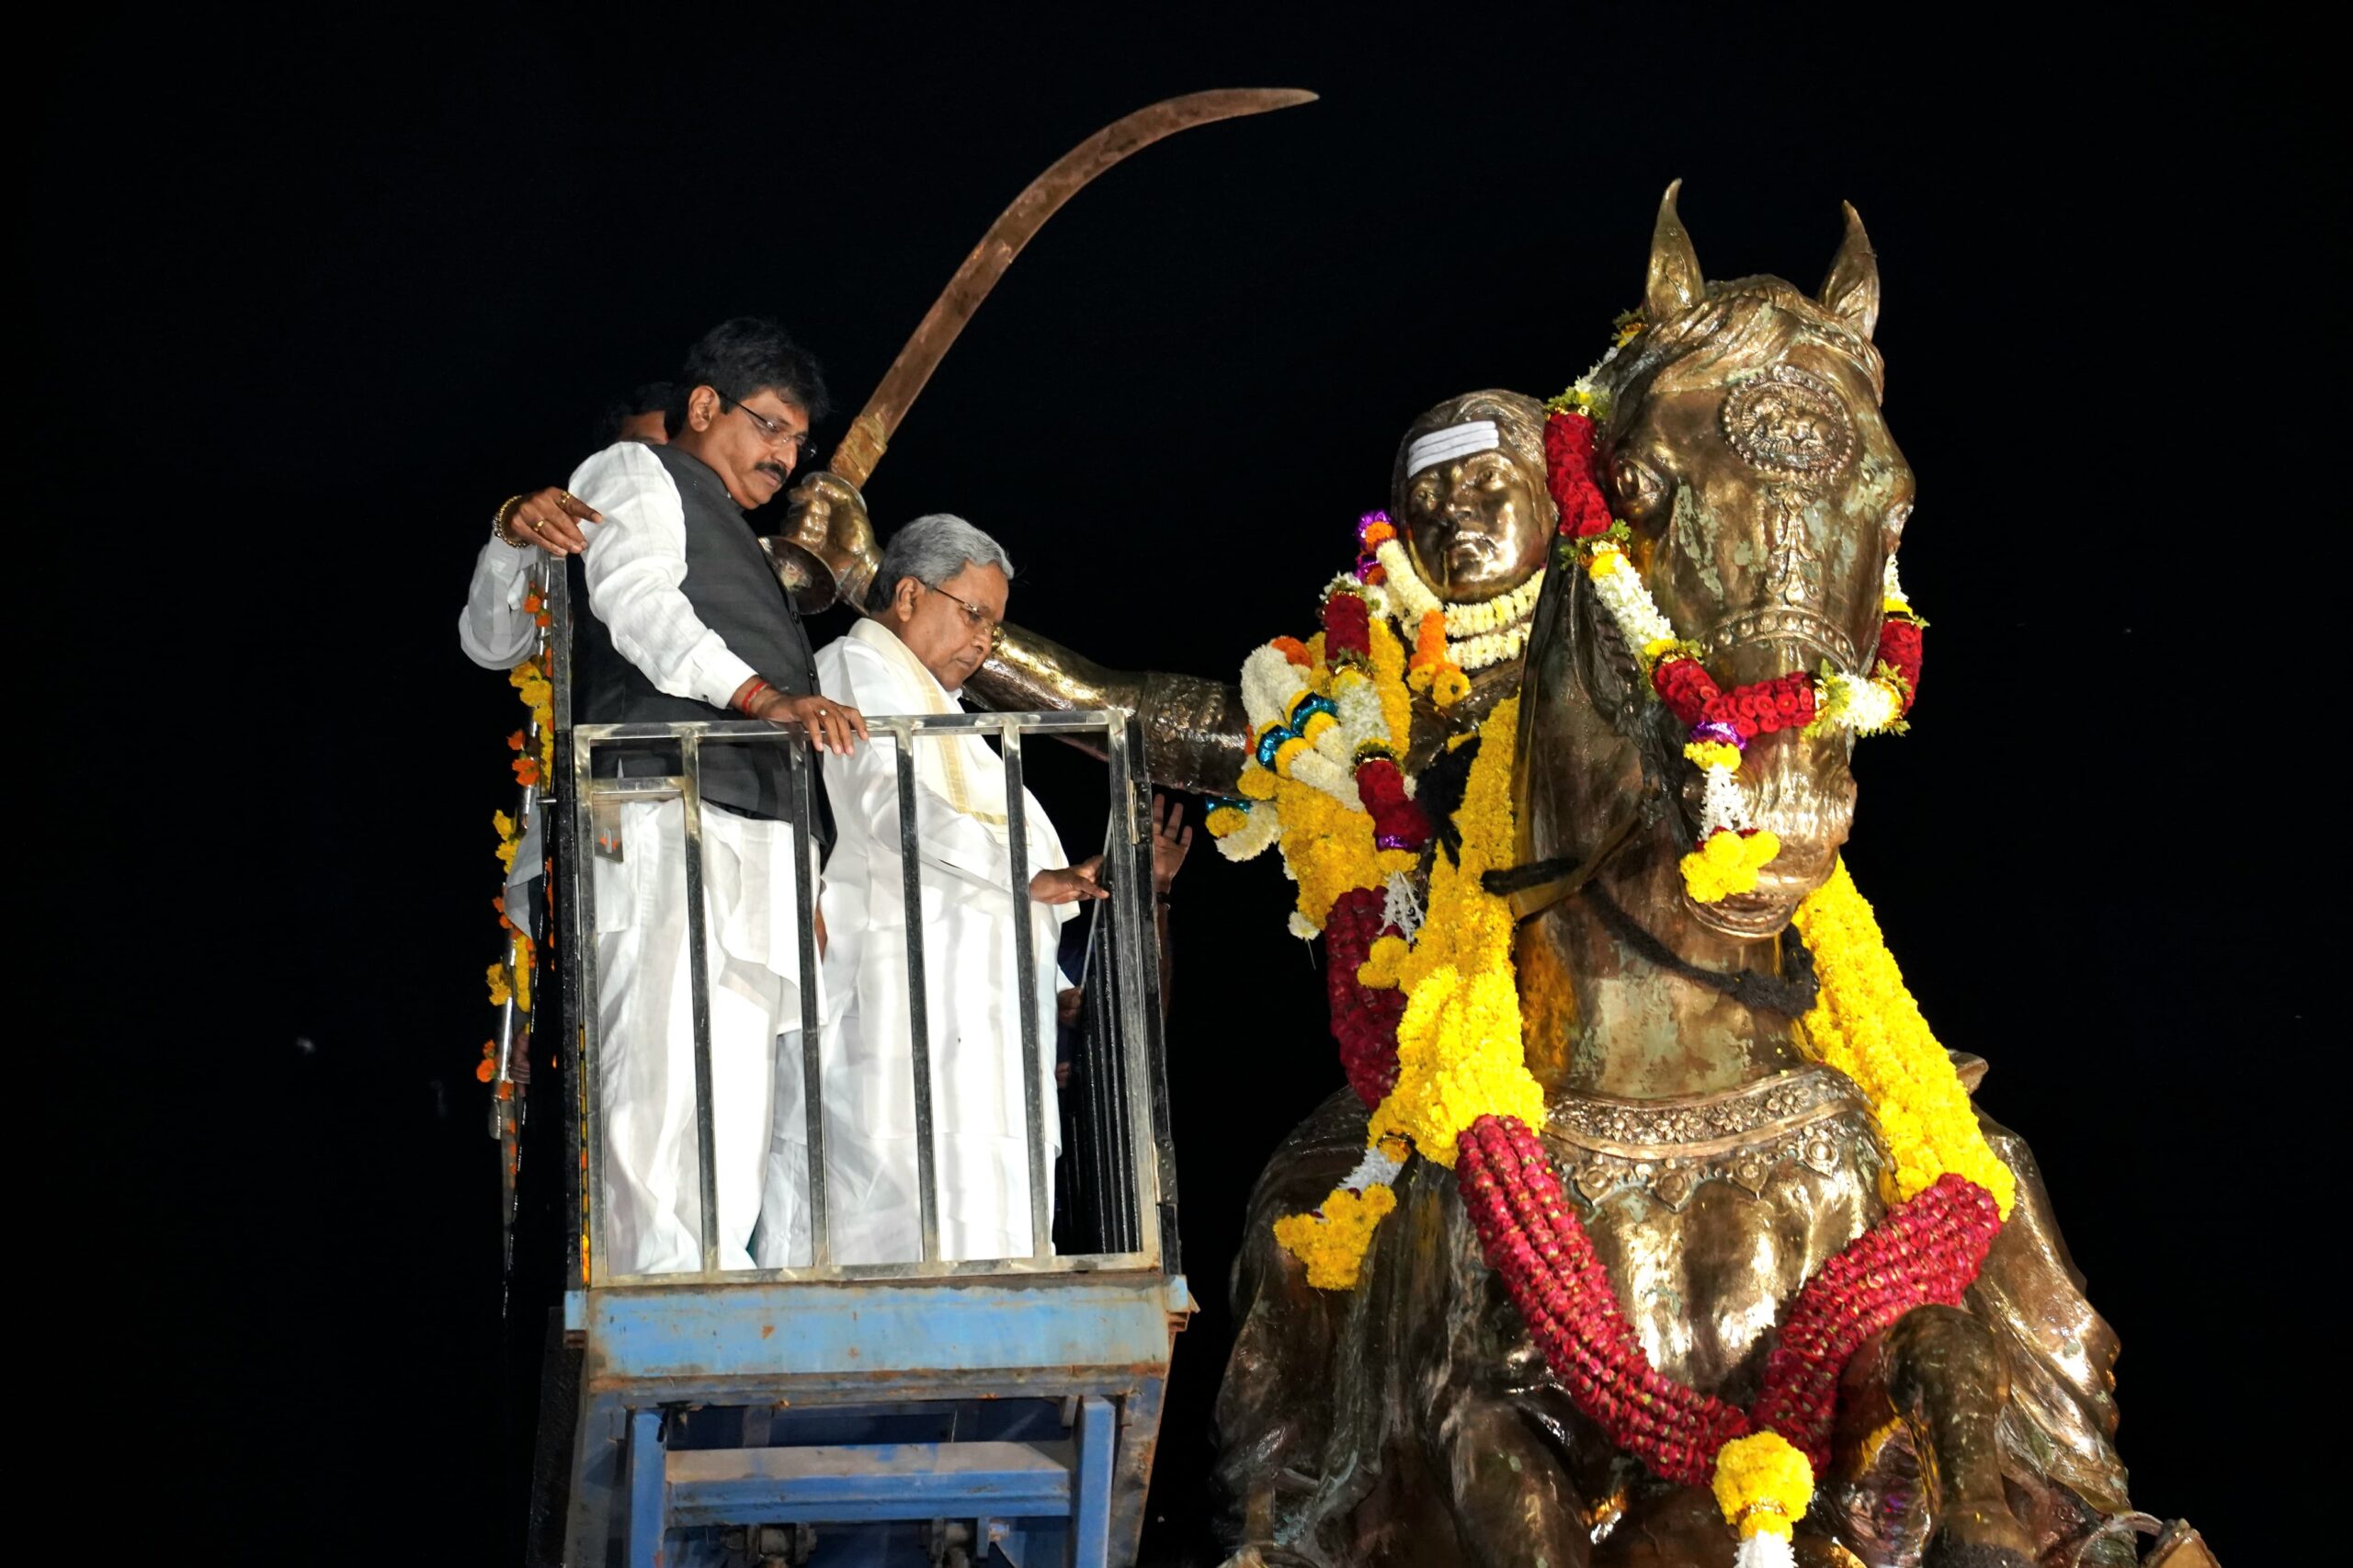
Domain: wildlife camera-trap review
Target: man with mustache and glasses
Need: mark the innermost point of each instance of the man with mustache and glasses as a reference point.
(687, 622)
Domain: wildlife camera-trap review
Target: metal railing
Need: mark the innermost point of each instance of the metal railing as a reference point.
(1124, 1181)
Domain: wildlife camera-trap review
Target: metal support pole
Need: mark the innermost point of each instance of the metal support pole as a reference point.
(648, 1490)
(918, 1013)
(1025, 969)
(1096, 1443)
(698, 990)
(801, 763)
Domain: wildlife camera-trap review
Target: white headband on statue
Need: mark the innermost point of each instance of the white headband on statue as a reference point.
(1454, 441)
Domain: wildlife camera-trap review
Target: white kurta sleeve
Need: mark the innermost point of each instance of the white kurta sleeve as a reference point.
(494, 630)
(635, 562)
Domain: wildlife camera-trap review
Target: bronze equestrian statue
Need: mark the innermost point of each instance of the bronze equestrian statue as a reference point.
(1713, 1160)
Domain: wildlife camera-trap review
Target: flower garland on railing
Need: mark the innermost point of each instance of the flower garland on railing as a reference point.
(1731, 849)
(1428, 1022)
(534, 764)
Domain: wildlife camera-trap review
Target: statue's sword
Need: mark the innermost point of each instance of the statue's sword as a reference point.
(810, 539)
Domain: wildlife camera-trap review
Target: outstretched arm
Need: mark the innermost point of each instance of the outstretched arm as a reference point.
(1195, 735)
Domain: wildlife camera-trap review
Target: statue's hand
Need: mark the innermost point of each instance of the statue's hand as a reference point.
(826, 551)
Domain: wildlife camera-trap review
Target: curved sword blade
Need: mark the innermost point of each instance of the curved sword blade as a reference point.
(870, 432)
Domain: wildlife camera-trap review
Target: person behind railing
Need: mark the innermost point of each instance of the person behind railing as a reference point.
(690, 624)
(936, 604)
(494, 629)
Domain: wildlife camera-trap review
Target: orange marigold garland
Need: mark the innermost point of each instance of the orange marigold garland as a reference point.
(509, 979)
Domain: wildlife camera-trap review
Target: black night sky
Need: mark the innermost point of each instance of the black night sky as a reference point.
(304, 299)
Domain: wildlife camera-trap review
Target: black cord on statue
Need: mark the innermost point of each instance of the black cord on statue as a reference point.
(1791, 993)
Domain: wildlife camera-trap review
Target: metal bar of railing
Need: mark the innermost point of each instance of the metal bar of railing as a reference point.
(699, 994)
(1136, 1026)
(1125, 1088)
(1098, 1038)
(918, 1020)
(805, 899)
(582, 1002)
(1151, 1046)
(1025, 970)
(1118, 1155)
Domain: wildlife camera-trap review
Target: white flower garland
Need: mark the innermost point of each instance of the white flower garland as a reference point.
(1271, 689)
(1477, 635)
(1262, 825)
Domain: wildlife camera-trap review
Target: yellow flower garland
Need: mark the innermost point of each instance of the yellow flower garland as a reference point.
(1866, 1024)
(1762, 1484)
(1727, 864)
(1459, 1054)
(1332, 1240)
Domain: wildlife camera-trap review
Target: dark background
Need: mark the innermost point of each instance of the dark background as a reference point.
(304, 299)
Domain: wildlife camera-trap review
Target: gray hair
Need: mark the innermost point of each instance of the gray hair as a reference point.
(931, 549)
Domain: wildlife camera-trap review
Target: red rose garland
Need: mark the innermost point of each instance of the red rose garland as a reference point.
(1926, 1250)
(1364, 1019)
(1760, 707)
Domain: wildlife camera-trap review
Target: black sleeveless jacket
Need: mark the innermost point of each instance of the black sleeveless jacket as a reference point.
(735, 593)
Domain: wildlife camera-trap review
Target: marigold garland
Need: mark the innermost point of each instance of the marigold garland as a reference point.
(510, 978)
(1332, 1241)
(1866, 1024)
(1763, 1487)
(1429, 1027)
(1459, 1053)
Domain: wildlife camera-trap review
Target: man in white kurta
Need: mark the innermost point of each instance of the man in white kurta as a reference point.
(687, 623)
(938, 600)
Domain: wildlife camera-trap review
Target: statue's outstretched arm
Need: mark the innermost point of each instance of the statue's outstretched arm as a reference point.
(1195, 735)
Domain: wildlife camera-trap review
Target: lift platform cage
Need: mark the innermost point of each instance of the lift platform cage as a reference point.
(933, 1411)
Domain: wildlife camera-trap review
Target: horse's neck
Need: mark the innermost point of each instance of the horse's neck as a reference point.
(1602, 1018)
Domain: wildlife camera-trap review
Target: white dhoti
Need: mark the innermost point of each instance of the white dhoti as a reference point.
(644, 1014)
(971, 900)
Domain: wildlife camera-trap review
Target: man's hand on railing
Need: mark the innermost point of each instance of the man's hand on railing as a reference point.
(1069, 884)
(550, 518)
(1171, 842)
(832, 726)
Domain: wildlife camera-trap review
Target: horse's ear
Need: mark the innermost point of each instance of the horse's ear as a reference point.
(1851, 291)
(1675, 283)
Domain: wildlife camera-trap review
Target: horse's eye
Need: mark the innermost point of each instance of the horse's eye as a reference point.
(1640, 488)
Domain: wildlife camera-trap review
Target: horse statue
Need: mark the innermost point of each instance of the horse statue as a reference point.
(1713, 1163)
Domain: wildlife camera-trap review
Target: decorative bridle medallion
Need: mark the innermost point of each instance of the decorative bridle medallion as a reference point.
(1789, 422)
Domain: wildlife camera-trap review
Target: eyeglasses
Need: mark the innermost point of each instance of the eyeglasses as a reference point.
(793, 442)
(975, 617)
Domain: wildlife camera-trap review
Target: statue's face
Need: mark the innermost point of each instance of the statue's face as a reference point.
(1477, 525)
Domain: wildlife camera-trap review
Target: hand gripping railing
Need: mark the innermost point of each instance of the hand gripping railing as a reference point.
(1124, 1106)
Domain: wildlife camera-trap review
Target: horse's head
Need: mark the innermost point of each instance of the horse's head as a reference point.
(1744, 446)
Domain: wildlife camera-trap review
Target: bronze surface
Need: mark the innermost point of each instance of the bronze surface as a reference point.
(1412, 1420)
